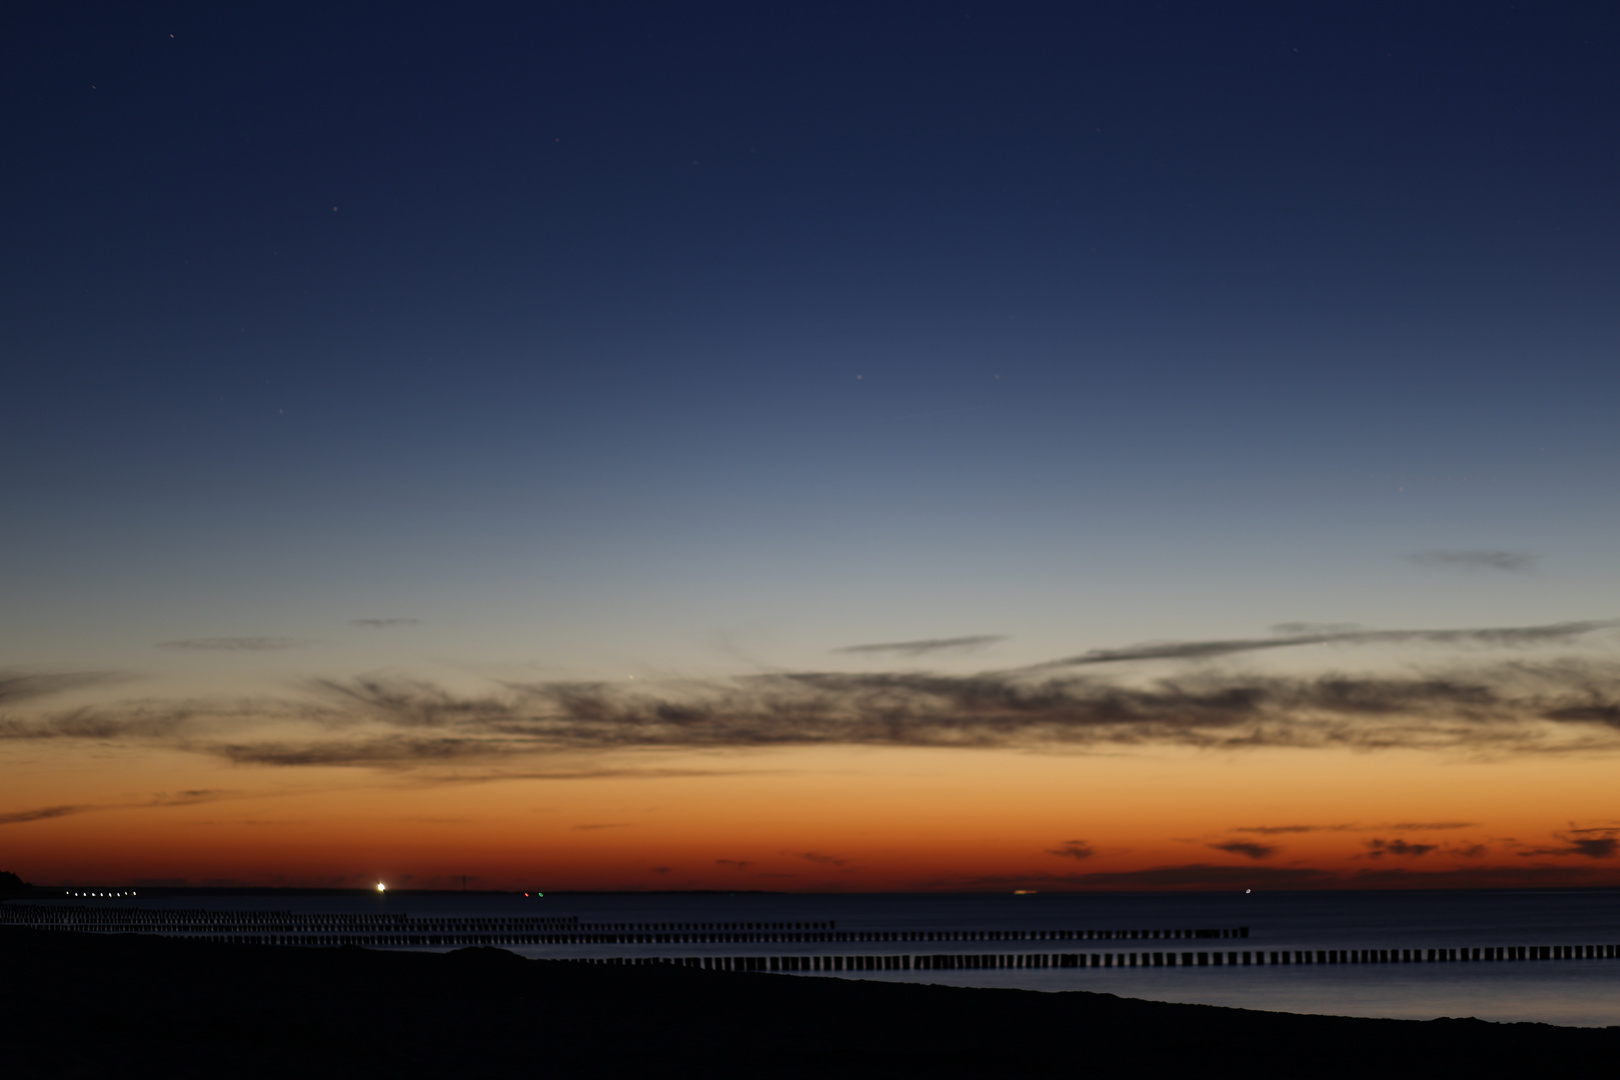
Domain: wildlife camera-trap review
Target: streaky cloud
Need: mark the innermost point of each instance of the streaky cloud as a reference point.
(387, 751)
(1072, 849)
(926, 646)
(1482, 877)
(383, 624)
(1498, 637)
(1293, 628)
(1379, 848)
(1430, 826)
(1187, 876)
(1247, 848)
(129, 723)
(1205, 876)
(1583, 843)
(1399, 826)
(15, 688)
(504, 776)
(236, 644)
(188, 798)
(399, 724)
(179, 798)
(1511, 562)
(43, 813)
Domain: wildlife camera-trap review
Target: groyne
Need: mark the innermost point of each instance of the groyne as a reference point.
(401, 929)
(1196, 959)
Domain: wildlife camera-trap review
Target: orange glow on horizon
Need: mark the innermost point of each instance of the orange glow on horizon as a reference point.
(832, 819)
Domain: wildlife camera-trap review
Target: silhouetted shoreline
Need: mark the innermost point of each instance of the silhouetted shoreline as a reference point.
(125, 1005)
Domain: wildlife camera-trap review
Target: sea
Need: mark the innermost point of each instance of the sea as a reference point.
(1583, 992)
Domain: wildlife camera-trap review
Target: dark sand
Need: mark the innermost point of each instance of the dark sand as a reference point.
(118, 1006)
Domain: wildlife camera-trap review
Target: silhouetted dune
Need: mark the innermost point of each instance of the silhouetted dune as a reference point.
(81, 1005)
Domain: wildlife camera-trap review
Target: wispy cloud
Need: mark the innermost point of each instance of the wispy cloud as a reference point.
(604, 825)
(735, 864)
(1188, 876)
(1494, 637)
(1399, 826)
(564, 729)
(129, 723)
(15, 688)
(1379, 848)
(1481, 877)
(370, 723)
(186, 798)
(1584, 843)
(1251, 876)
(1295, 628)
(162, 799)
(383, 624)
(239, 644)
(1072, 849)
(823, 859)
(1247, 848)
(1511, 562)
(43, 813)
(381, 751)
(1430, 826)
(463, 776)
(928, 645)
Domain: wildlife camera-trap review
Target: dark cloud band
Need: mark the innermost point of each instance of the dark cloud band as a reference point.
(930, 645)
(15, 688)
(1498, 637)
(1504, 706)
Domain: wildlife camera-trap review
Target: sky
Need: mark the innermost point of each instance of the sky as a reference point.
(834, 446)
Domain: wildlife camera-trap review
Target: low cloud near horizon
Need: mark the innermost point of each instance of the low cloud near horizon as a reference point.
(1399, 826)
(1247, 848)
(1072, 849)
(1584, 843)
(1205, 876)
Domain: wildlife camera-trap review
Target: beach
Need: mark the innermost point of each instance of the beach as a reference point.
(82, 1005)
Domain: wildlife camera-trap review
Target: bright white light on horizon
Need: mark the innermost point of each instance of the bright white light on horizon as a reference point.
(381, 887)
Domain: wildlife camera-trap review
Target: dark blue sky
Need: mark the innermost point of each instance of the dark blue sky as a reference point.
(594, 334)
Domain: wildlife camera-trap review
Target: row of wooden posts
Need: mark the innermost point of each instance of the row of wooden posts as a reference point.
(288, 928)
(402, 930)
(985, 961)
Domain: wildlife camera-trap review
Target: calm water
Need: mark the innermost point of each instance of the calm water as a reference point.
(1585, 992)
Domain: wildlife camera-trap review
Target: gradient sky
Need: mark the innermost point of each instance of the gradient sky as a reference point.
(811, 446)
